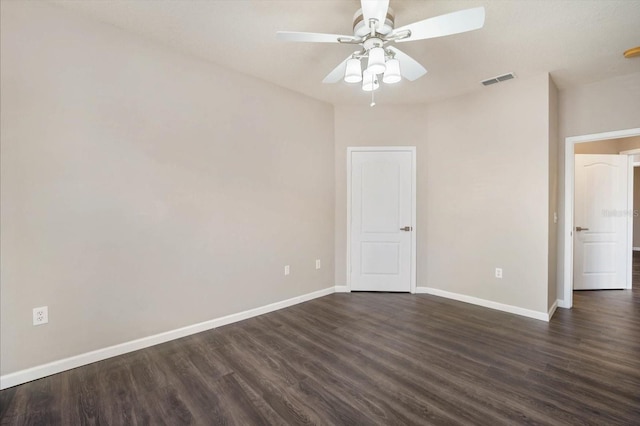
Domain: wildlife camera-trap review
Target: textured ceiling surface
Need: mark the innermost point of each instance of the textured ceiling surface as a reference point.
(577, 41)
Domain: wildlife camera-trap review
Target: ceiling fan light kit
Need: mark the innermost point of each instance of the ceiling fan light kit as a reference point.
(375, 64)
(373, 30)
(353, 72)
(392, 72)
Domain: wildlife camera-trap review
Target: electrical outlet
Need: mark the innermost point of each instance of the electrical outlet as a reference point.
(40, 315)
(317, 263)
(498, 272)
(287, 270)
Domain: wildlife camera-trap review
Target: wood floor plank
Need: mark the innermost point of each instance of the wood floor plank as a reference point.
(346, 384)
(393, 364)
(348, 363)
(125, 406)
(85, 397)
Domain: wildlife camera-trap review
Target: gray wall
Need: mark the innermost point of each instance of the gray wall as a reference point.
(483, 187)
(144, 190)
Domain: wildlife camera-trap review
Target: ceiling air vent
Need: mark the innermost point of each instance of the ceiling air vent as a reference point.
(498, 79)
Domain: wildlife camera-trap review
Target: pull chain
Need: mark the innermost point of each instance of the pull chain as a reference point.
(373, 91)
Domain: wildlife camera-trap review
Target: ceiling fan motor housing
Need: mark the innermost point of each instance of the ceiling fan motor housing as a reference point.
(361, 28)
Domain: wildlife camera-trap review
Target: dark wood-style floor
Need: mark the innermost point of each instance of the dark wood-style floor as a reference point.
(366, 358)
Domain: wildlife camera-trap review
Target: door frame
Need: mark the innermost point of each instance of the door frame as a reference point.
(569, 186)
(412, 150)
(635, 164)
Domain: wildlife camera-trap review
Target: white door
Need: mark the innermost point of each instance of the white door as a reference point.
(381, 220)
(600, 220)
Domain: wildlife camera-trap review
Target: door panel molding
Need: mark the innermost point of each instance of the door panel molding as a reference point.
(412, 151)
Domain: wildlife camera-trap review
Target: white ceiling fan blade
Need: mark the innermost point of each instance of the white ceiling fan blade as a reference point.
(375, 9)
(338, 72)
(310, 37)
(444, 25)
(409, 67)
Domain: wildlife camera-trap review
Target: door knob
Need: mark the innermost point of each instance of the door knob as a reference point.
(407, 228)
(580, 228)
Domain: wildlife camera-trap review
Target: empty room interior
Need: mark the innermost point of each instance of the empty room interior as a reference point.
(320, 212)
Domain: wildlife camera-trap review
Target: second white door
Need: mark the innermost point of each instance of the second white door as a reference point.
(381, 220)
(601, 222)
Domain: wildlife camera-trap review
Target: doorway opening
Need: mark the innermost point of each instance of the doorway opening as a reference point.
(571, 148)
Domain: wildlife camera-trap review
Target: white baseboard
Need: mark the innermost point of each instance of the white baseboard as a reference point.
(563, 304)
(40, 371)
(552, 310)
(636, 249)
(543, 316)
(342, 289)
(230, 319)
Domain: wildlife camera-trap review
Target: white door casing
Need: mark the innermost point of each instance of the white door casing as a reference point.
(601, 206)
(566, 284)
(381, 203)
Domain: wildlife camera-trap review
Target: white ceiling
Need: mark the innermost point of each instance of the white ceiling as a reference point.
(577, 41)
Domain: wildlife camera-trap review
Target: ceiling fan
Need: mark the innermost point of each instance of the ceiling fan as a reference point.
(373, 31)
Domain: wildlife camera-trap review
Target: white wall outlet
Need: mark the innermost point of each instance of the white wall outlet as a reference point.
(317, 263)
(40, 315)
(287, 270)
(498, 272)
